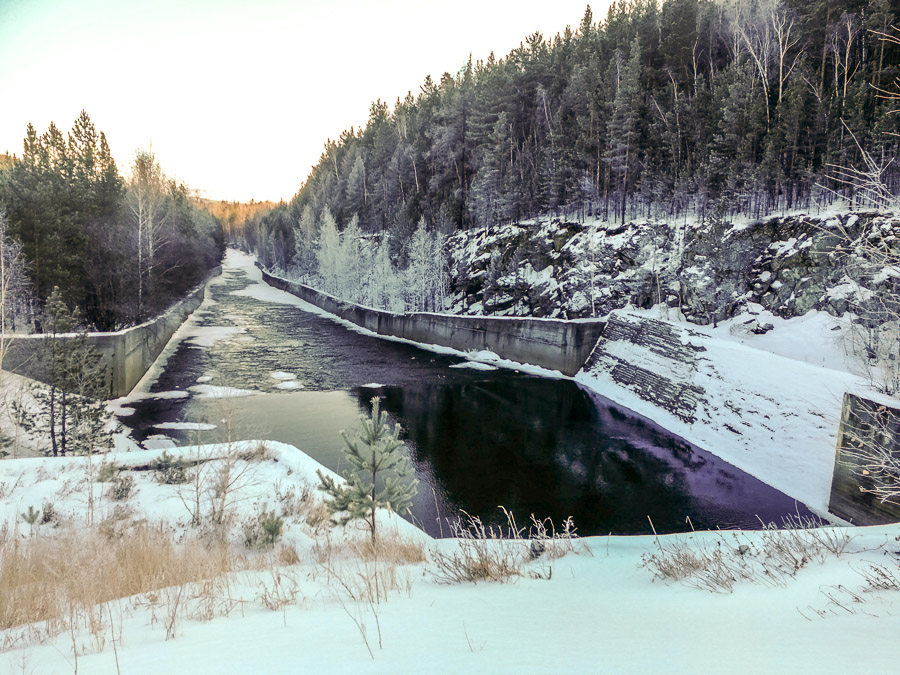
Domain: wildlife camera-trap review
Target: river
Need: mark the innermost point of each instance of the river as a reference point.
(479, 439)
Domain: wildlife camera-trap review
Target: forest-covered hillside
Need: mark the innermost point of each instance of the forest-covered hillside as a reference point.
(713, 107)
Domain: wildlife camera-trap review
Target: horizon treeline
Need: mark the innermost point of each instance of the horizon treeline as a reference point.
(707, 107)
(120, 251)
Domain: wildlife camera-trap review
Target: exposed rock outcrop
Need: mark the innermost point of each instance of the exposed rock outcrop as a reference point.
(705, 271)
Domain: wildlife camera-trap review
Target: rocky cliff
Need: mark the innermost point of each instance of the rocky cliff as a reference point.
(706, 271)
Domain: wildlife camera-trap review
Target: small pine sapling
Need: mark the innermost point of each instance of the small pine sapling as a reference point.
(380, 461)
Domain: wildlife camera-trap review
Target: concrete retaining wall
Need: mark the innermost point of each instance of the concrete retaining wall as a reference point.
(127, 354)
(550, 343)
(865, 424)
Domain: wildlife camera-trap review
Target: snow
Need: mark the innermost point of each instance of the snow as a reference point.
(474, 365)
(599, 610)
(185, 426)
(848, 289)
(207, 336)
(816, 338)
(159, 395)
(214, 391)
(159, 441)
(771, 416)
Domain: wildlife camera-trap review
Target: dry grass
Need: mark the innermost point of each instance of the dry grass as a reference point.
(492, 553)
(396, 550)
(484, 553)
(772, 557)
(44, 578)
(298, 502)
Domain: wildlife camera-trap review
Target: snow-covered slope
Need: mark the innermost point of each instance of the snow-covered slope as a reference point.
(772, 416)
(597, 609)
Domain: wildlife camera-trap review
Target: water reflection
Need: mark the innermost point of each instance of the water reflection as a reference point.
(552, 449)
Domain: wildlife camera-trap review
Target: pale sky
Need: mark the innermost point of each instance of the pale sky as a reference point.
(238, 98)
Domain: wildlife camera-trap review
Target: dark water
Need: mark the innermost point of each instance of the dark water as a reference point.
(478, 439)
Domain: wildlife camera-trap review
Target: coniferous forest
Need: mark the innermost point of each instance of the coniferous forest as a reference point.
(119, 251)
(708, 108)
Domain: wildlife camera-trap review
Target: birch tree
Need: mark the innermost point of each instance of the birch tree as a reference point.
(13, 284)
(149, 204)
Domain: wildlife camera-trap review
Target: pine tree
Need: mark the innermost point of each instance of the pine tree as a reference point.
(623, 127)
(382, 474)
(70, 410)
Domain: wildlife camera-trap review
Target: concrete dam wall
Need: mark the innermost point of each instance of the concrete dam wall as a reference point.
(126, 354)
(868, 446)
(554, 344)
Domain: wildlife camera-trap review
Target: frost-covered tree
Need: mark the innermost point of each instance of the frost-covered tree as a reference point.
(440, 272)
(417, 272)
(150, 206)
(385, 286)
(351, 264)
(328, 252)
(382, 475)
(13, 284)
(305, 234)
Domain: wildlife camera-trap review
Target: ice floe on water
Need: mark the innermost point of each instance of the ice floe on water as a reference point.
(207, 336)
(289, 384)
(163, 395)
(474, 365)
(204, 378)
(158, 441)
(185, 426)
(281, 375)
(371, 385)
(213, 391)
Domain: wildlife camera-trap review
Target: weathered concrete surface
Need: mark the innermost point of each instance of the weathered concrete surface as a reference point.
(668, 372)
(126, 354)
(867, 426)
(549, 343)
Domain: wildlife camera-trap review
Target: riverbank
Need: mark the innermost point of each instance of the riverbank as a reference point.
(304, 605)
(125, 355)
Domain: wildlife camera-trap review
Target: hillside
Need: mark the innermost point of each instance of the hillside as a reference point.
(706, 109)
(235, 216)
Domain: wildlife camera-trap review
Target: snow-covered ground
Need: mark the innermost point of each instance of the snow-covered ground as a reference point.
(597, 609)
(770, 404)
